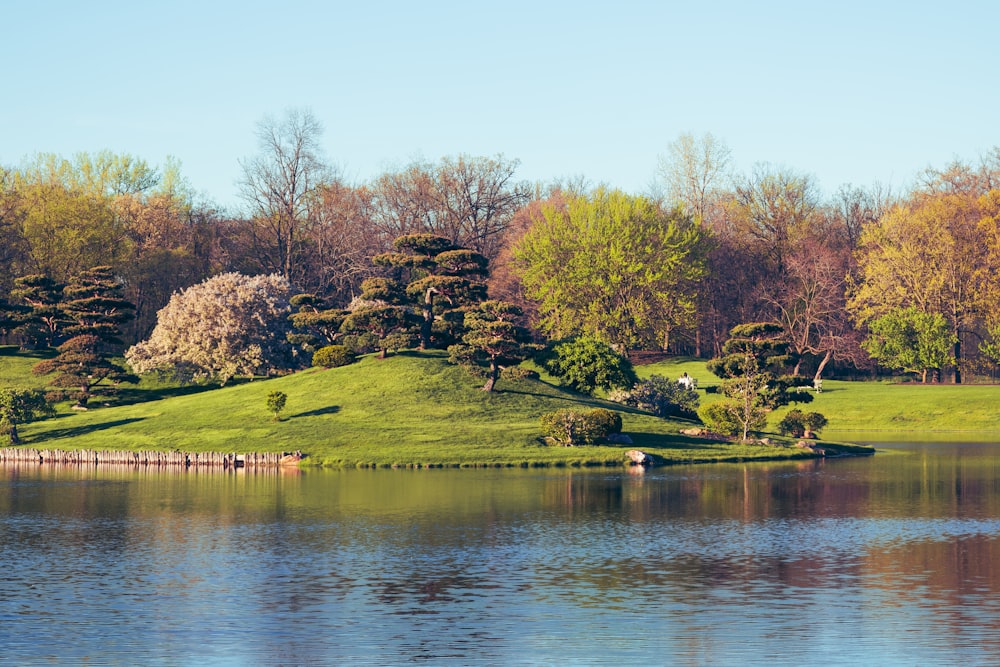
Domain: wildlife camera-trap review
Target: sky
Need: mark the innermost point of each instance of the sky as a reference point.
(847, 92)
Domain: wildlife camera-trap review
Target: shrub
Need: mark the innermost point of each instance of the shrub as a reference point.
(799, 424)
(587, 364)
(570, 428)
(725, 417)
(663, 398)
(604, 422)
(332, 356)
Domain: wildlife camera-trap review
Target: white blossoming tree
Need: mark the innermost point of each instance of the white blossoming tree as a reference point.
(228, 325)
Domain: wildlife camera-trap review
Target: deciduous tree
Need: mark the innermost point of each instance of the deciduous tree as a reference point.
(612, 264)
(228, 325)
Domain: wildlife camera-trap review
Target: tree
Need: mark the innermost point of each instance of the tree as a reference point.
(439, 277)
(280, 187)
(276, 403)
(614, 265)
(693, 171)
(40, 319)
(911, 340)
(754, 357)
(95, 310)
(493, 340)
(21, 406)
(587, 364)
(381, 310)
(468, 200)
(937, 254)
(227, 325)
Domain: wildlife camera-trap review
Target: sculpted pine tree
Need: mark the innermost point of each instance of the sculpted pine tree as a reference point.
(493, 340)
(39, 317)
(95, 310)
(440, 277)
(383, 314)
(228, 325)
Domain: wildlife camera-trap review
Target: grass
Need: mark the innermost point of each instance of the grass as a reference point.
(413, 409)
(883, 410)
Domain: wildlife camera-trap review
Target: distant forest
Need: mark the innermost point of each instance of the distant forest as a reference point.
(866, 279)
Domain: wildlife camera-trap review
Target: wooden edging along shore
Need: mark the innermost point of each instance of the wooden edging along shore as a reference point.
(150, 458)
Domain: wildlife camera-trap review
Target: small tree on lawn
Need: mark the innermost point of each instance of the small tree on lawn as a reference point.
(95, 309)
(276, 403)
(493, 340)
(21, 406)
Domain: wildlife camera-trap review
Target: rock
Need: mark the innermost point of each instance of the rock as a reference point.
(619, 439)
(639, 457)
(692, 431)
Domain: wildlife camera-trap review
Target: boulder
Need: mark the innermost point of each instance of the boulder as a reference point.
(619, 439)
(639, 457)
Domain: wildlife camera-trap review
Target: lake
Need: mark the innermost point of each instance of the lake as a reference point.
(891, 559)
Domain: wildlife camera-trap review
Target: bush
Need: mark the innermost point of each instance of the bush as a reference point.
(587, 364)
(663, 398)
(570, 428)
(604, 422)
(724, 417)
(332, 356)
(799, 424)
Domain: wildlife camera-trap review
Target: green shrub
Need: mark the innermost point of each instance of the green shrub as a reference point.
(333, 356)
(799, 424)
(663, 397)
(604, 422)
(587, 364)
(724, 417)
(570, 428)
(360, 343)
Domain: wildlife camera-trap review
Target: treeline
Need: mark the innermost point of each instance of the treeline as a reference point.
(904, 279)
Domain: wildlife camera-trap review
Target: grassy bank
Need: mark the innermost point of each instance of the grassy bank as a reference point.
(410, 409)
(882, 411)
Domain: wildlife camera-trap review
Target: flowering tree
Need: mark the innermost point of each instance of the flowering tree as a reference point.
(228, 325)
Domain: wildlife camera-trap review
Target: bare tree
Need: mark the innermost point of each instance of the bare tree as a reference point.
(279, 185)
(469, 200)
(693, 171)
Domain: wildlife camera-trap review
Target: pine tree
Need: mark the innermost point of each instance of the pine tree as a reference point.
(441, 279)
(94, 307)
(493, 340)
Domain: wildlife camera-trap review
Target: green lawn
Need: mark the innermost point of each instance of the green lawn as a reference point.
(881, 410)
(410, 409)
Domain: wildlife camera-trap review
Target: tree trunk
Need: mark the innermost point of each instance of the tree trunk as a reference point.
(958, 358)
(14, 439)
(491, 379)
(798, 366)
(822, 364)
(426, 325)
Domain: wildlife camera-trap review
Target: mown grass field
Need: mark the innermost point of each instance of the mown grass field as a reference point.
(410, 409)
(884, 410)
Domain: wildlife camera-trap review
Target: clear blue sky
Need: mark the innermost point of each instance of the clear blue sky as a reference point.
(846, 91)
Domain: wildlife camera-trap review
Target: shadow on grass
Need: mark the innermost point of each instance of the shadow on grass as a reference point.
(15, 351)
(81, 430)
(328, 410)
(668, 442)
(134, 395)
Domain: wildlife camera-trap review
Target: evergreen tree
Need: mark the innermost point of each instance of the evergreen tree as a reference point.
(493, 340)
(39, 316)
(440, 280)
(384, 314)
(95, 309)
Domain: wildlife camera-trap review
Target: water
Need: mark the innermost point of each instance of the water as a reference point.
(891, 559)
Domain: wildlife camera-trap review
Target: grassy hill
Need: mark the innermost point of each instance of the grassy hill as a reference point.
(410, 409)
